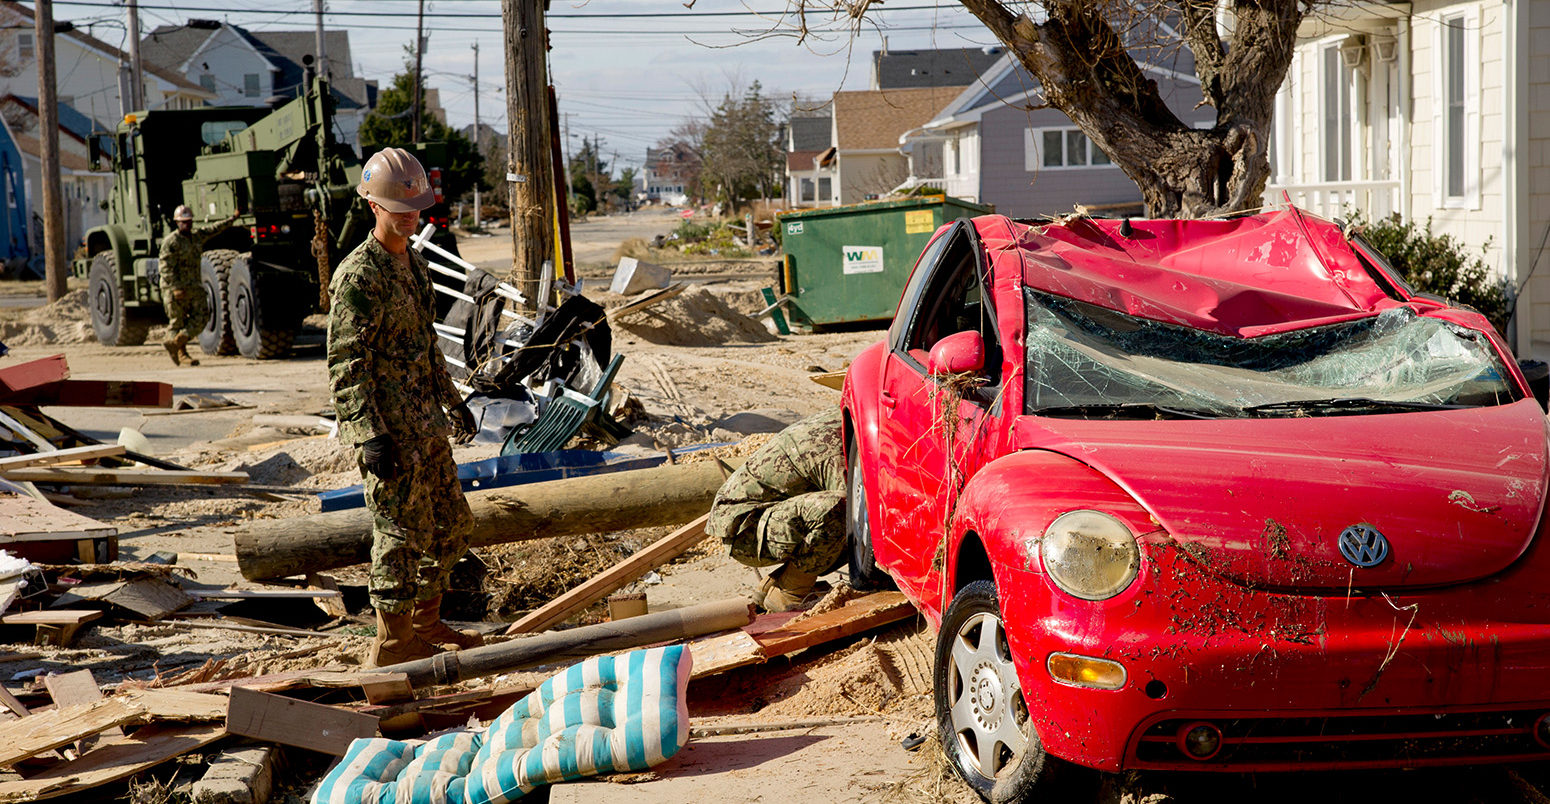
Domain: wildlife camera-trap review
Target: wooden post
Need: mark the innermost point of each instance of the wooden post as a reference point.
(529, 167)
(56, 269)
(419, 59)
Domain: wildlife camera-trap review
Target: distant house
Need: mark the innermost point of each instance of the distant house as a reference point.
(247, 68)
(84, 191)
(946, 67)
(1435, 110)
(669, 174)
(869, 126)
(810, 158)
(15, 251)
(992, 146)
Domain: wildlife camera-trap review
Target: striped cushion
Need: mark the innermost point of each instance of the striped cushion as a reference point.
(603, 715)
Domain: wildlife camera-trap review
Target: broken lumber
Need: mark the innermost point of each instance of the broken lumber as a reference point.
(775, 635)
(303, 724)
(97, 394)
(577, 643)
(146, 748)
(45, 731)
(144, 598)
(54, 627)
(86, 453)
(74, 689)
(640, 498)
(122, 477)
(601, 585)
(19, 378)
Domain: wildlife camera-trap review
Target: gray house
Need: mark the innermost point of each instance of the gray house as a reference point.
(991, 146)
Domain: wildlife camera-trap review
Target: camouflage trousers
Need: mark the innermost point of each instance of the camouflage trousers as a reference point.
(421, 525)
(187, 315)
(806, 531)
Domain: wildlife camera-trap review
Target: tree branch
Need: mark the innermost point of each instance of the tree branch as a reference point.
(1205, 45)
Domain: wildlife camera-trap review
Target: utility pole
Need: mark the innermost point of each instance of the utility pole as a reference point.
(530, 169)
(322, 55)
(136, 72)
(570, 191)
(48, 140)
(419, 58)
(478, 132)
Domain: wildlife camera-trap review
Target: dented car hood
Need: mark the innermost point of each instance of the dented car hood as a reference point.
(1457, 493)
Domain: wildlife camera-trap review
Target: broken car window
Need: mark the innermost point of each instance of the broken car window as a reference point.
(1092, 362)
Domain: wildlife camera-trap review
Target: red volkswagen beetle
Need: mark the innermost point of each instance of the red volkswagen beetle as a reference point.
(1203, 495)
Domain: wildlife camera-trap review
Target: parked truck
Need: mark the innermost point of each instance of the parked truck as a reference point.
(292, 186)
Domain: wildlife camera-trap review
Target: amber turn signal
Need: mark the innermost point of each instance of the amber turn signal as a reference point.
(1086, 671)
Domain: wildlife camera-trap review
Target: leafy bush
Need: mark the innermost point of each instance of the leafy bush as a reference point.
(1440, 264)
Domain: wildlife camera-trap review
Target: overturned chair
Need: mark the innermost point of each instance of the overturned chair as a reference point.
(567, 414)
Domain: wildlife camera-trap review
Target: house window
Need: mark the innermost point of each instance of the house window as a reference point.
(250, 85)
(1061, 148)
(825, 188)
(1335, 84)
(24, 45)
(1458, 112)
(208, 82)
(807, 190)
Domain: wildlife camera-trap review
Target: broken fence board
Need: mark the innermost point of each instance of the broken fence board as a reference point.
(860, 614)
(123, 477)
(86, 453)
(119, 759)
(606, 582)
(287, 721)
(45, 731)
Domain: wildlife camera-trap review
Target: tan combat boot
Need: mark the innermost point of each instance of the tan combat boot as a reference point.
(429, 626)
(786, 589)
(183, 349)
(171, 345)
(396, 641)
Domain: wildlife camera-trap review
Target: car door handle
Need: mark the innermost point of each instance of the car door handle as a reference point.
(888, 401)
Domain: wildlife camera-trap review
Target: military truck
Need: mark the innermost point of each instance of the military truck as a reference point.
(293, 188)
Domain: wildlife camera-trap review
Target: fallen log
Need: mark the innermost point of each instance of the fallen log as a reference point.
(664, 495)
(576, 643)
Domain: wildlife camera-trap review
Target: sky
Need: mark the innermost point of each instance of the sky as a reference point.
(626, 72)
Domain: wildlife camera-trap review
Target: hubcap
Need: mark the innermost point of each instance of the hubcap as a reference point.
(104, 301)
(244, 312)
(858, 512)
(987, 712)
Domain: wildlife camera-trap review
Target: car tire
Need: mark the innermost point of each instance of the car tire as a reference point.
(864, 572)
(112, 322)
(982, 717)
(214, 274)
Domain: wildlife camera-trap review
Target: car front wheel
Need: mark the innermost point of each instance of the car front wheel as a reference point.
(982, 716)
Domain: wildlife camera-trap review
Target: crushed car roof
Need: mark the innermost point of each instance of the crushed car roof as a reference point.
(1247, 276)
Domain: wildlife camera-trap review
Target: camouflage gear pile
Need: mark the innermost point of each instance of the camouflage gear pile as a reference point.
(177, 263)
(786, 505)
(388, 378)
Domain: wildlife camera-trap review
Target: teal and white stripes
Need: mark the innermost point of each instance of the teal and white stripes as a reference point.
(606, 714)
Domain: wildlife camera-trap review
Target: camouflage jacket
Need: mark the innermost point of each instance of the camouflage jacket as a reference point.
(387, 374)
(803, 458)
(177, 262)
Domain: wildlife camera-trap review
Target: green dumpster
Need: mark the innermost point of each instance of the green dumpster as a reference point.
(850, 263)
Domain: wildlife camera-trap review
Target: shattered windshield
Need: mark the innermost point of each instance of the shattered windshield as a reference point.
(1093, 362)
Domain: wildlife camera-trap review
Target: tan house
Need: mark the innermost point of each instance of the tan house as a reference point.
(1434, 109)
(868, 126)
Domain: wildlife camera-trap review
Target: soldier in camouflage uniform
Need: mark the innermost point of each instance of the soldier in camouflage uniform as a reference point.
(390, 385)
(182, 296)
(786, 506)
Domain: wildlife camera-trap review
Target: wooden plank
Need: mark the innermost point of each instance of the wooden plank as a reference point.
(25, 519)
(294, 679)
(287, 721)
(54, 627)
(722, 652)
(33, 373)
(147, 747)
(74, 689)
(332, 606)
(122, 477)
(861, 614)
(97, 394)
(610, 580)
(387, 688)
(198, 410)
(262, 594)
(148, 598)
(252, 629)
(11, 419)
(45, 731)
(85, 453)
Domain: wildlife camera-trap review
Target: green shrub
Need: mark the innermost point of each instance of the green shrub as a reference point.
(1442, 265)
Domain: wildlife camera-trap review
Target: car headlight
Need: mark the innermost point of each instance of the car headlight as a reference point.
(1090, 554)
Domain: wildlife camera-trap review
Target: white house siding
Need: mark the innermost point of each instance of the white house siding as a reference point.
(1534, 172)
(863, 173)
(228, 58)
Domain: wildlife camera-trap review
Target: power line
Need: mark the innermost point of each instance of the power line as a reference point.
(781, 14)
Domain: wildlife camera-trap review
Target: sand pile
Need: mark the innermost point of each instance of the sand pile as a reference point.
(695, 317)
(858, 681)
(65, 321)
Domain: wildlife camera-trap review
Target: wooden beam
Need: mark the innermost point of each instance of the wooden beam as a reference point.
(44, 731)
(610, 580)
(122, 477)
(287, 721)
(54, 627)
(96, 394)
(33, 373)
(147, 747)
(861, 614)
(85, 453)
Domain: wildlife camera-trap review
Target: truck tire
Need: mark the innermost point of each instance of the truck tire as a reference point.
(245, 310)
(214, 273)
(113, 323)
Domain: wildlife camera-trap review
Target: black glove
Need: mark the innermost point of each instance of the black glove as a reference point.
(379, 456)
(462, 420)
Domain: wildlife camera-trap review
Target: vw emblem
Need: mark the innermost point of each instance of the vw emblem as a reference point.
(1363, 545)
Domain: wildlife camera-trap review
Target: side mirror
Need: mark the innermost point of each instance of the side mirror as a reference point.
(94, 150)
(956, 354)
